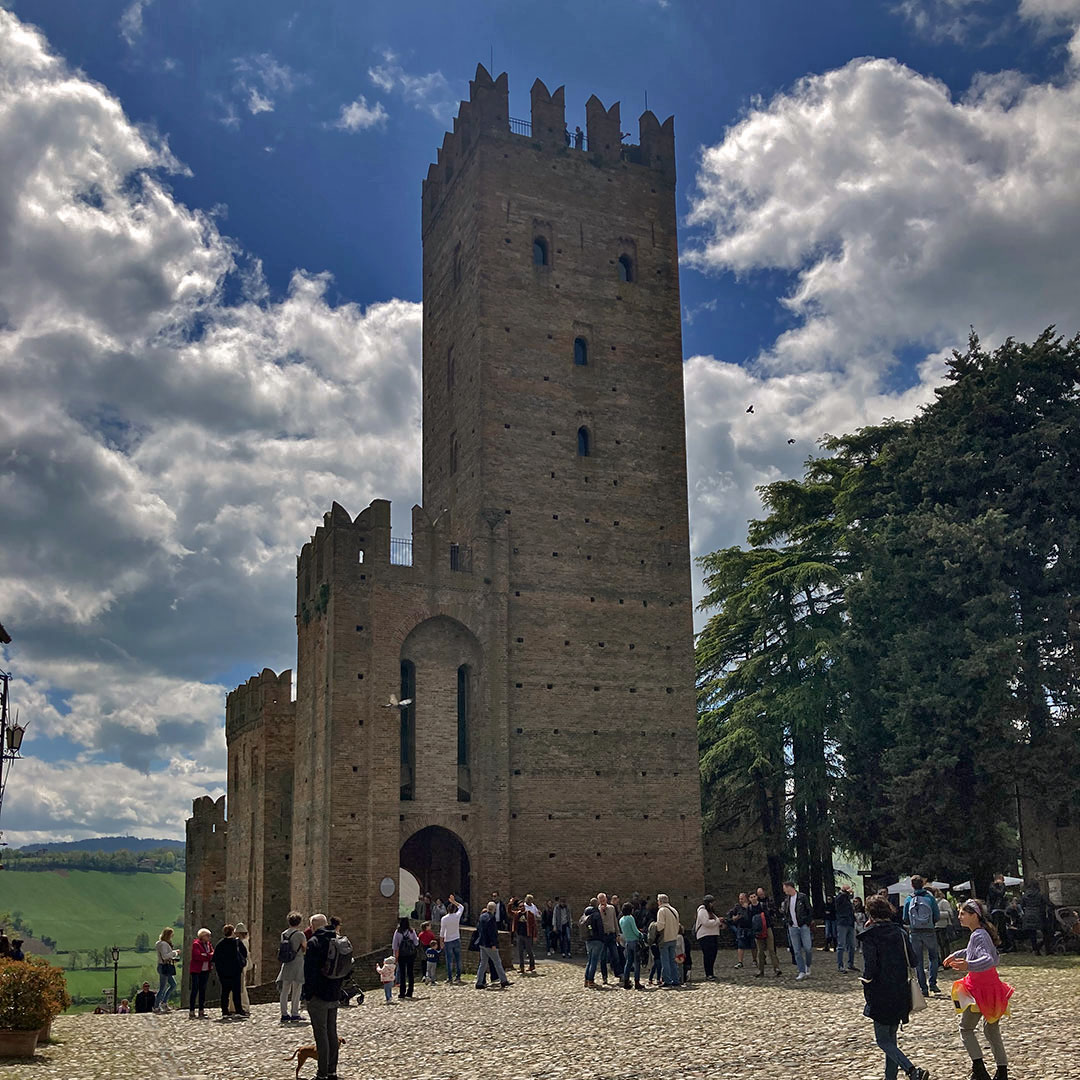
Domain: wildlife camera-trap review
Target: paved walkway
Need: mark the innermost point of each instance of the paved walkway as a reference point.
(548, 1027)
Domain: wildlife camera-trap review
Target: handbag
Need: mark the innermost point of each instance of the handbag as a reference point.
(166, 969)
(474, 941)
(918, 1002)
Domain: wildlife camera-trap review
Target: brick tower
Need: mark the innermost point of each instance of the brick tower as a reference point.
(553, 402)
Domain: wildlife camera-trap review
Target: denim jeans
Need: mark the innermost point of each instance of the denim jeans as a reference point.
(830, 932)
(388, 990)
(166, 989)
(453, 959)
(594, 950)
(802, 945)
(632, 964)
(925, 940)
(845, 938)
(564, 939)
(669, 971)
(895, 1060)
(610, 956)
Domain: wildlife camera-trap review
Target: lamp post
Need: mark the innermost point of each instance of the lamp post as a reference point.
(11, 737)
(115, 968)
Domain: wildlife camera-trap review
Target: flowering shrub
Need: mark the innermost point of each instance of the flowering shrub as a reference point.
(32, 992)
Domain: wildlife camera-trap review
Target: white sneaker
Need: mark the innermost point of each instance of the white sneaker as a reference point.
(800, 976)
(807, 975)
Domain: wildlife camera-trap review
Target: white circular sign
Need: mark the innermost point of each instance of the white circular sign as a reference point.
(387, 886)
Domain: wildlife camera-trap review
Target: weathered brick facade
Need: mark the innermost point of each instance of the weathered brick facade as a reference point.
(542, 620)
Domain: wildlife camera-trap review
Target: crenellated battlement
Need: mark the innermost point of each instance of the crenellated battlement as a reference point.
(486, 112)
(248, 704)
(207, 814)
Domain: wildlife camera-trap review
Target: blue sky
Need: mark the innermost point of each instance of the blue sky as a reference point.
(210, 276)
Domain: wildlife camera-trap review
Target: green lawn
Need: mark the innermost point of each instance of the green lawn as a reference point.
(84, 909)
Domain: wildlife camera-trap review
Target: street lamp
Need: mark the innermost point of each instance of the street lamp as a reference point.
(11, 738)
(115, 967)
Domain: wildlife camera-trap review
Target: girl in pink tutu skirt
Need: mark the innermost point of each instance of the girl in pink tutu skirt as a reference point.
(980, 993)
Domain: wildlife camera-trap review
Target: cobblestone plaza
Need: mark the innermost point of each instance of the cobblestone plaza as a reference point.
(548, 1027)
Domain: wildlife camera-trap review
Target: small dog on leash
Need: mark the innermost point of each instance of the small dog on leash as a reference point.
(304, 1053)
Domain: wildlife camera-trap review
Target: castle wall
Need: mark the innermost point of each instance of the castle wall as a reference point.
(559, 579)
(259, 731)
(204, 882)
(351, 643)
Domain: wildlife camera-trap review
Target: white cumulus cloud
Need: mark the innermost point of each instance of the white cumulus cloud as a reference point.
(901, 215)
(358, 115)
(170, 451)
(430, 93)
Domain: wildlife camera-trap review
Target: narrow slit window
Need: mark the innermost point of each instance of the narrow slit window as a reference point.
(584, 442)
(540, 252)
(464, 708)
(626, 268)
(408, 730)
(450, 368)
(581, 352)
(453, 453)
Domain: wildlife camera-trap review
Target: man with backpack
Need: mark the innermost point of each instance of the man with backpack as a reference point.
(291, 976)
(920, 917)
(328, 962)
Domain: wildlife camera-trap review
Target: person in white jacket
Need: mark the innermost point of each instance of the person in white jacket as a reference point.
(707, 931)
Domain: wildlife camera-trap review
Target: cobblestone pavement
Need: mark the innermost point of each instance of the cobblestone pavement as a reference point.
(548, 1027)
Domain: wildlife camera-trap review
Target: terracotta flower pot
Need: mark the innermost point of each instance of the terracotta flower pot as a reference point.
(45, 1034)
(18, 1043)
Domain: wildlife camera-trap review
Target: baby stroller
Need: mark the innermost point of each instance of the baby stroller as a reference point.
(351, 994)
(1067, 937)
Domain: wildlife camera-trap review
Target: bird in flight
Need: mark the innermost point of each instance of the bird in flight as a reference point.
(393, 703)
(749, 408)
(790, 441)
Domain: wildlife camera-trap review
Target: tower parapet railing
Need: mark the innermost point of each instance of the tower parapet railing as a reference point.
(576, 140)
(401, 551)
(458, 556)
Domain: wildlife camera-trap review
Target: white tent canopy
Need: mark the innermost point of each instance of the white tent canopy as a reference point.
(965, 886)
(903, 886)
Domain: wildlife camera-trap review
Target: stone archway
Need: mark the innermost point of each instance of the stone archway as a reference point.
(437, 858)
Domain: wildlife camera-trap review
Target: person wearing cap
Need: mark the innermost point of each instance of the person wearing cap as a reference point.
(707, 931)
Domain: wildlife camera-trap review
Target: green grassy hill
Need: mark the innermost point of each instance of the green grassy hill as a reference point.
(94, 909)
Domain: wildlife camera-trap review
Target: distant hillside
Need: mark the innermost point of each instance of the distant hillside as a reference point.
(83, 913)
(106, 843)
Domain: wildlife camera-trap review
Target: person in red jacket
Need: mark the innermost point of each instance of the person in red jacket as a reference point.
(202, 960)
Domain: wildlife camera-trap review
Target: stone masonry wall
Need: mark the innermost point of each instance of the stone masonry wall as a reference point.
(204, 881)
(259, 730)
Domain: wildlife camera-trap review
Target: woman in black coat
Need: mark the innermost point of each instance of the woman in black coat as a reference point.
(887, 957)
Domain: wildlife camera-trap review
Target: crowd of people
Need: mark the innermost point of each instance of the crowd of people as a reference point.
(644, 941)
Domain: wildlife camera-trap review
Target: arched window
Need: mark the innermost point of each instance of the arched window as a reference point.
(464, 706)
(408, 730)
(626, 268)
(581, 351)
(583, 442)
(540, 252)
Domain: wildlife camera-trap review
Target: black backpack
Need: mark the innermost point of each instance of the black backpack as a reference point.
(285, 953)
(407, 948)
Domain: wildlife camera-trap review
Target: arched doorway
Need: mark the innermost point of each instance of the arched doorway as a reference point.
(439, 862)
